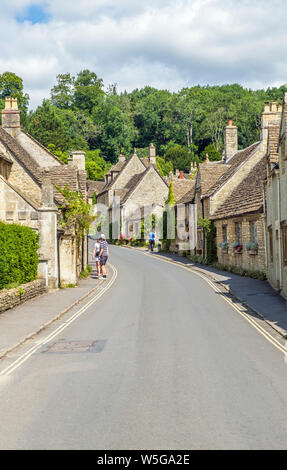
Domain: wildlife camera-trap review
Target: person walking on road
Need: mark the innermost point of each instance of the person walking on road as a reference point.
(103, 256)
(151, 240)
(95, 256)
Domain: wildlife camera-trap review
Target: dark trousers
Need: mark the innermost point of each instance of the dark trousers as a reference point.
(151, 245)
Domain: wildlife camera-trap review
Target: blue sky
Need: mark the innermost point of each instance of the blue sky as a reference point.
(167, 44)
(34, 14)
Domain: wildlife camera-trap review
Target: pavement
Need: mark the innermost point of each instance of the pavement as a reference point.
(21, 323)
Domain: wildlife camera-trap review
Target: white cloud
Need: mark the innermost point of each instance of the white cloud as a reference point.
(166, 44)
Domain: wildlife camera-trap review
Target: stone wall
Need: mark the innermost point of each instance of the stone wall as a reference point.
(246, 259)
(20, 179)
(10, 298)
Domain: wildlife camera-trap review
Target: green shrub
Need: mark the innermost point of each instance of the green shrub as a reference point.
(18, 254)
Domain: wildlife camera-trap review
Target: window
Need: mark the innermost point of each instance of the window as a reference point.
(253, 232)
(270, 231)
(284, 244)
(224, 233)
(131, 228)
(238, 232)
(4, 169)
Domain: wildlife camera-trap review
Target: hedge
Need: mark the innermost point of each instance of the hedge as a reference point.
(18, 254)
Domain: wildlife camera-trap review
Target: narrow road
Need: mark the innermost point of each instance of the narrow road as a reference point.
(174, 367)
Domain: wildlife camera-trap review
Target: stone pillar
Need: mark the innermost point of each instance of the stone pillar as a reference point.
(68, 259)
(48, 232)
(230, 140)
(11, 117)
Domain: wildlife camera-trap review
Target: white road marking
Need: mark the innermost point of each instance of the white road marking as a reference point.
(24, 357)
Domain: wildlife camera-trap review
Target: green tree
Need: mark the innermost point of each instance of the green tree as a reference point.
(212, 153)
(170, 197)
(164, 167)
(180, 157)
(88, 91)
(12, 85)
(62, 92)
(46, 126)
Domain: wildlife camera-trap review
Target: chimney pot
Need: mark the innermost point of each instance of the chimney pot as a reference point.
(181, 175)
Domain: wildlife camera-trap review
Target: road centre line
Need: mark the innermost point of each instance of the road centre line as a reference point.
(24, 357)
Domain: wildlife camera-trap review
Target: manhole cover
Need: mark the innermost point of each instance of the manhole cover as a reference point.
(76, 346)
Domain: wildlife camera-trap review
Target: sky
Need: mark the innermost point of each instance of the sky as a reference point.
(167, 44)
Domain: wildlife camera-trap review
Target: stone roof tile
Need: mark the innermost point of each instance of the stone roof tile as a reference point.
(231, 166)
(247, 197)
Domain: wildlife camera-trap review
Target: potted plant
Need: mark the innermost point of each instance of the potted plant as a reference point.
(252, 248)
(237, 247)
(224, 246)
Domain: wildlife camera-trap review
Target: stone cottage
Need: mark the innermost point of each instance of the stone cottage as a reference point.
(28, 175)
(139, 189)
(218, 185)
(276, 204)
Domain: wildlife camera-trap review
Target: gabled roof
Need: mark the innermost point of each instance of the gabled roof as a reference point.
(247, 197)
(22, 155)
(189, 195)
(94, 187)
(42, 146)
(63, 176)
(208, 175)
(232, 164)
(124, 165)
(180, 186)
(60, 175)
(135, 181)
(117, 167)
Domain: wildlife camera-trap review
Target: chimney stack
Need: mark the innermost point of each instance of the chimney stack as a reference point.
(79, 159)
(122, 158)
(152, 156)
(271, 114)
(181, 177)
(230, 140)
(11, 117)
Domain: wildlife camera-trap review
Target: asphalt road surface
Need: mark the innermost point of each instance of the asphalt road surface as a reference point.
(160, 361)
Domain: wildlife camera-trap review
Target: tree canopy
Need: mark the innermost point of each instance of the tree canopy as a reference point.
(183, 125)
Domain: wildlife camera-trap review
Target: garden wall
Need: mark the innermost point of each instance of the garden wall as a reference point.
(10, 298)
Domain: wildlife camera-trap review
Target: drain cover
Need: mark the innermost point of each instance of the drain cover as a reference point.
(76, 346)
